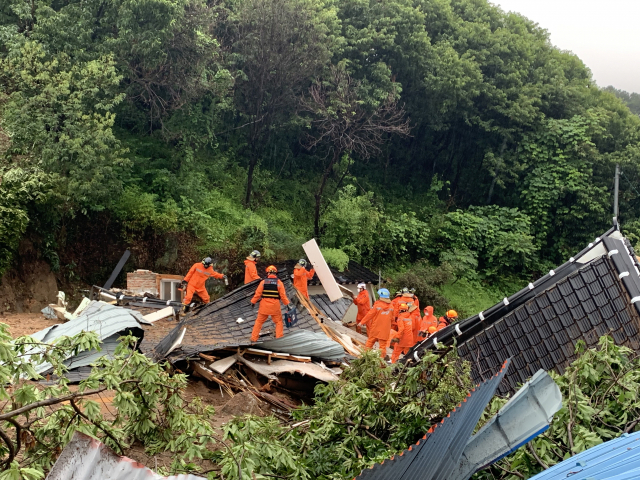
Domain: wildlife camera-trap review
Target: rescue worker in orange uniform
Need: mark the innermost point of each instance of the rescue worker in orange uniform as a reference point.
(269, 293)
(250, 267)
(301, 276)
(380, 318)
(397, 300)
(403, 339)
(363, 302)
(416, 319)
(196, 278)
(429, 320)
(414, 299)
(451, 317)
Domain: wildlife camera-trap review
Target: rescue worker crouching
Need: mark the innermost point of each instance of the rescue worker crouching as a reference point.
(250, 267)
(380, 318)
(301, 276)
(196, 278)
(270, 293)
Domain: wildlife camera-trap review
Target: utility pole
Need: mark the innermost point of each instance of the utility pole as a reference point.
(615, 194)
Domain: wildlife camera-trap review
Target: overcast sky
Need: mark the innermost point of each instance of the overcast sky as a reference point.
(605, 34)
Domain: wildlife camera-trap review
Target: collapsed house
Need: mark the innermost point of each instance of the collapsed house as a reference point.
(107, 321)
(595, 293)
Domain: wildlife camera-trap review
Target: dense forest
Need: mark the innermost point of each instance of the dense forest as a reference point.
(445, 135)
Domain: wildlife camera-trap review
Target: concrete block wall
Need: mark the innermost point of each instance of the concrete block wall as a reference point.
(142, 281)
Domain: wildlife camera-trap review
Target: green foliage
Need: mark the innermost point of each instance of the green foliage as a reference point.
(336, 258)
(263, 449)
(168, 115)
(600, 402)
(558, 192)
(427, 281)
(492, 239)
(19, 189)
(632, 100)
(469, 297)
(148, 402)
(371, 413)
(60, 113)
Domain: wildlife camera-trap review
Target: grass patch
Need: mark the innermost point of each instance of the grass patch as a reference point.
(470, 297)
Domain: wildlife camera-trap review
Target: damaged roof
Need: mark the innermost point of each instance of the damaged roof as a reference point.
(353, 274)
(333, 310)
(85, 458)
(107, 321)
(595, 293)
(215, 325)
(437, 455)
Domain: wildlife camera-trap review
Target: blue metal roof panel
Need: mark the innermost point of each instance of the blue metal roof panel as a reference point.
(618, 458)
(438, 453)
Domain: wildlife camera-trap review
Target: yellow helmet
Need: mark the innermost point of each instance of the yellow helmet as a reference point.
(272, 269)
(452, 314)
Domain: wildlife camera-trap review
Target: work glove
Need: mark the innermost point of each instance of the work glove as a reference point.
(253, 305)
(224, 277)
(290, 307)
(183, 284)
(422, 334)
(395, 340)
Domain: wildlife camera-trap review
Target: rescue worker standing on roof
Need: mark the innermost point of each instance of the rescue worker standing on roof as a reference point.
(402, 340)
(269, 293)
(380, 318)
(363, 302)
(250, 268)
(196, 278)
(301, 276)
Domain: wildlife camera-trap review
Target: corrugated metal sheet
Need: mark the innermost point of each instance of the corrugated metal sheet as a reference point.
(306, 343)
(617, 459)
(85, 458)
(102, 318)
(525, 416)
(437, 455)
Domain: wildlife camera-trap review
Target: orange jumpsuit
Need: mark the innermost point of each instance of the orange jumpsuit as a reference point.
(379, 318)
(442, 322)
(196, 278)
(269, 307)
(413, 300)
(416, 319)
(363, 303)
(250, 271)
(405, 334)
(429, 320)
(300, 278)
(396, 307)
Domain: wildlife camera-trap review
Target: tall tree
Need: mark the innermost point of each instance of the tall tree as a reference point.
(343, 124)
(279, 46)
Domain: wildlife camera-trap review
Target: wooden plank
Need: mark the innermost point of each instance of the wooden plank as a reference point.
(322, 270)
(159, 315)
(223, 365)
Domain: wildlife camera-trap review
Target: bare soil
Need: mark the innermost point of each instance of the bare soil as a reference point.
(26, 323)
